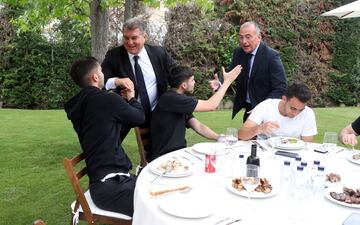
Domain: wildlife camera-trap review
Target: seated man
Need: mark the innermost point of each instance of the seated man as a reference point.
(348, 134)
(288, 116)
(173, 112)
(97, 117)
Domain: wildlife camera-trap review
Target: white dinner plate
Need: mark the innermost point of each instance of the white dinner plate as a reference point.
(190, 205)
(182, 172)
(211, 148)
(350, 158)
(338, 189)
(278, 143)
(253, 194)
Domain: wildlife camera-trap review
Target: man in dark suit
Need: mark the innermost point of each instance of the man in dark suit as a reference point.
(136, 64)
(263, 75)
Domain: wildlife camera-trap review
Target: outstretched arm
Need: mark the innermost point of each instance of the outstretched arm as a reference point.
(214, 101)
(202, 129)
(250, 129)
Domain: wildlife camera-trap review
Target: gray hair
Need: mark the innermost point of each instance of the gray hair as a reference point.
(252, 23)
(135, 23)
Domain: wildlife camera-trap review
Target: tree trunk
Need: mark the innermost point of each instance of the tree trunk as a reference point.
(99, 23)
(128, 9)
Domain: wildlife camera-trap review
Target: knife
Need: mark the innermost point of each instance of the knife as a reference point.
(233, 221)
(193, 155)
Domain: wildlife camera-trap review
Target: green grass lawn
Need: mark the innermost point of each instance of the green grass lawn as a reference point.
(33, 144)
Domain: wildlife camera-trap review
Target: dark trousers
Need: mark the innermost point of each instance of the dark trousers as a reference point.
(115, 194)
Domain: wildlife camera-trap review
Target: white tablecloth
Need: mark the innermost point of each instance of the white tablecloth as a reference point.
(279, 209)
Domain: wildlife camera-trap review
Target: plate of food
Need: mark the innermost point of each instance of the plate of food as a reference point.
(332, 179)
(171, 167)
(344, 196)
(289, 143)
(190, 205)
(263, 190)
(212, 148)
(354, 158)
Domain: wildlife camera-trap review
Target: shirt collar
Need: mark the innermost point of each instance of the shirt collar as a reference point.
(142, 54)
(255, 50)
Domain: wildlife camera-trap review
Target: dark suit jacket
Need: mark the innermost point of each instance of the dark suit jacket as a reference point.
(117, 64)
(267, 78)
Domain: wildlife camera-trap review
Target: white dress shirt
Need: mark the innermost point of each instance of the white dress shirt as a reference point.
(149, 76)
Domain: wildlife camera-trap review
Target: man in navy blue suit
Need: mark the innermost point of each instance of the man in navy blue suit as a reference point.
(263, 75)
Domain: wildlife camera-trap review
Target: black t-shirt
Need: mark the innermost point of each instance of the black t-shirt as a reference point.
(356, 126)
(168, 122)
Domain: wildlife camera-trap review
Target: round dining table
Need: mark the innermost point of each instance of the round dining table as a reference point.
(210, 198)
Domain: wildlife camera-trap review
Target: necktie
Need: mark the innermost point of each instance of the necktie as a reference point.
(144, 98)
(248, 73)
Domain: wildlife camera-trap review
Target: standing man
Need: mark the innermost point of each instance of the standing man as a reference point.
(174, 111)
(97, 117)
(136, 64)
(263, 75)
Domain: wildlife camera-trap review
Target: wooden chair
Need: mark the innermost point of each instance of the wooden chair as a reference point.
(143, 140)
(83, 207)
(39, 222)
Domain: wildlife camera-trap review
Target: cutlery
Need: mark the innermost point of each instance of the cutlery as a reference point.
(193, 155)
(162, 174)
(233, 221)
(183, 157)
(260, 146)
(340, 150)
(222, 220)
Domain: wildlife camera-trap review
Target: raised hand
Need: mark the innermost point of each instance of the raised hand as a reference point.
(232, 75)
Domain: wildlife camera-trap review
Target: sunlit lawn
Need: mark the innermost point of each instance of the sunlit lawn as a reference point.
(34, 143)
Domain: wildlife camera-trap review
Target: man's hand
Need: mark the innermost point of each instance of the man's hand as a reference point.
(124, 83)
(349, 139)
(215, 84)
(232, 75)
(268, 127)
(128, 94)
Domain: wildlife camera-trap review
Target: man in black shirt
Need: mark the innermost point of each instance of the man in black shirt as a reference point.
(349, 133)
(97, 117)
(173, 112)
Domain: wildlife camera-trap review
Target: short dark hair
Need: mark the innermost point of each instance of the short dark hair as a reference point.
(179, 74)
(300, 91)
(81, 68)
(134, 23)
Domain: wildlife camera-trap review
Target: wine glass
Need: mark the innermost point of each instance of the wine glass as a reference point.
(231, 137)
(251, 180)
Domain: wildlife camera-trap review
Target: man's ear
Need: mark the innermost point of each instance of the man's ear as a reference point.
(284, 98)
(183, 85)
(94, 77)
(146, 36)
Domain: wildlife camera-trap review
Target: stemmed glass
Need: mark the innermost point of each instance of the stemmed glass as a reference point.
(251, 180)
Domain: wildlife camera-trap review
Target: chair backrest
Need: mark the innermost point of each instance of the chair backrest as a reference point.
(75, 177)
(144, 142)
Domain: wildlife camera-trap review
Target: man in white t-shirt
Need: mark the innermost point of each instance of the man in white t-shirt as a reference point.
(288, 116)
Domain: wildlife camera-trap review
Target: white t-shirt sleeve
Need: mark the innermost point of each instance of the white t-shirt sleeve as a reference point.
(257, 114)
(310, 128)
(110, 84)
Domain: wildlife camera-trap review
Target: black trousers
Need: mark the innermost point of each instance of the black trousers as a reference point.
(115, 194)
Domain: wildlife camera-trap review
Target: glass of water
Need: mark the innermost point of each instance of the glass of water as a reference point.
(329, 142)
(231, 137)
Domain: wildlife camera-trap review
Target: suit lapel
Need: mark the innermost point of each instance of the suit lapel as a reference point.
(127, 65)
(258, 58)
